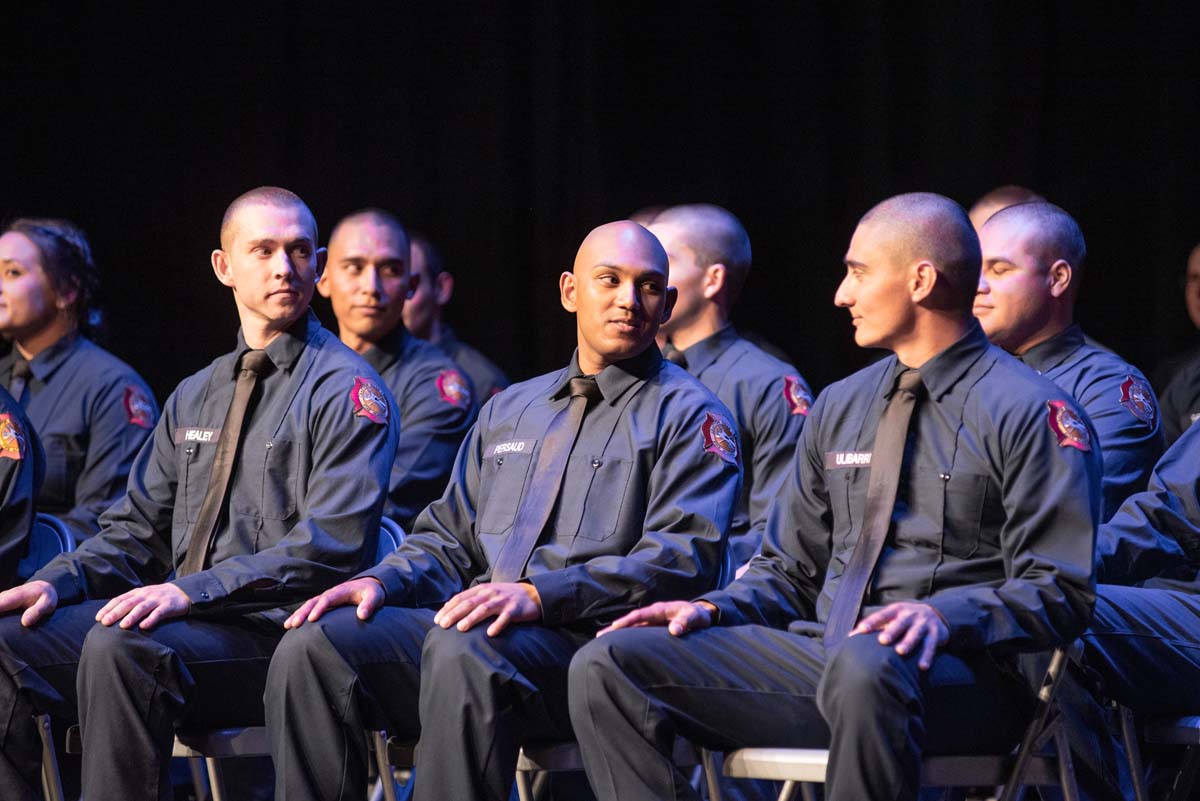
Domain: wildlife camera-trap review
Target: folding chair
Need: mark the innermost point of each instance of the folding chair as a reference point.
(799, 767)
(1181, 731)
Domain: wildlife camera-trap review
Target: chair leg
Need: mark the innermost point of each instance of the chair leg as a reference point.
(1133, 753)
(216, 779)
(807, 793)
(379, 743)
(708, 763)
(199, 779)
(51, 780)
(789, 791)
(1066, 770)
(524, 790)
(1186, 779)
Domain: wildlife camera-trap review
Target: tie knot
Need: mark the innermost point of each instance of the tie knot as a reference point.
(255, 361)
(21, 369)
(910, 382)
(584, 387)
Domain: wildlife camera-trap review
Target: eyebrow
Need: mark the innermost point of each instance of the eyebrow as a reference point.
(853, 263)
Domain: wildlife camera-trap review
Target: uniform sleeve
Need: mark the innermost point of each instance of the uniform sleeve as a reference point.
(690, 498)
(20, 481)
(133, 545)
(1051, 498)
(439, 556)
(1157, 531)
(776, 430)
(1130, 446)
(338, 511)
(433, 421)
(114, 439)
(1178, 400)
(782, 583)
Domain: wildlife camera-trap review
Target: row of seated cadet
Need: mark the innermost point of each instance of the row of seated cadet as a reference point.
(532, 497)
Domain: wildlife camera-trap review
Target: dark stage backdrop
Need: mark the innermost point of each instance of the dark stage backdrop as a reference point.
(507, 130)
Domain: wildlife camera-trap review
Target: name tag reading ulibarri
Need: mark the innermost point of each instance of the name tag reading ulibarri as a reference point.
(196, 435)
(839, 459)
(512, 446)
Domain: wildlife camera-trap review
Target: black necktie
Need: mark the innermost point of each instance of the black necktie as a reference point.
(254, 363)
(887, 458)
(20, 375)
(674, 354)
(547, 480)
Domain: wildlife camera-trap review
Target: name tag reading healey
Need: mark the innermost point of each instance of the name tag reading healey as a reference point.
(839, 459)
(196, 435)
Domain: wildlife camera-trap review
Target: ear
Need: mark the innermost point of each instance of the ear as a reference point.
(714, 280)
(566, 291)
(923, 277)
(322, 255)
(323, 287)
(1060, 275)
(220, 265)
(669, 304)
(66, 299)
(444, 288)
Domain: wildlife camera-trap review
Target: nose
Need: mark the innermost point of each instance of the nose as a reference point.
(628, 296)
(843, 298)
(983, 288)
(283, 266)
(371, 282)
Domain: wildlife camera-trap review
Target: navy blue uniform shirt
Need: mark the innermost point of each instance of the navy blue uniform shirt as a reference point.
(769, 401)
(1181, 400)
(1118, 399)
(486, 377)
(436, 405)
(646, 500)
(305, 497)
(995, 517)
(92, 413)
(22, 468)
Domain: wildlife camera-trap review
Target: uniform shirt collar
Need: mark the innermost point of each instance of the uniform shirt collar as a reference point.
(943, 371)
(388, 350)
(615, 379)
(446, 339)
(286, 348)
(703, 353)
(1055, 350)
(45, 363)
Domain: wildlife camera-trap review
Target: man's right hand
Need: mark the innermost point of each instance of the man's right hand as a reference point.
(679, 617)
(37, 598)
(366, 593)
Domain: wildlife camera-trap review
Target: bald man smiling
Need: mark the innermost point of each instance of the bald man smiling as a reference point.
(577, 496)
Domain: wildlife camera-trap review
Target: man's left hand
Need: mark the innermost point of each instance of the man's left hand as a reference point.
(911, 626)
(145, 607)
(507, 602)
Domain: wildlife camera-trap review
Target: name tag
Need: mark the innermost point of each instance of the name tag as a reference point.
(839, 459)
(196, 435)
(512, 446)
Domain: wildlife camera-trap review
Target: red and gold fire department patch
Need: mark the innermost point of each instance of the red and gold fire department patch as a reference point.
(138, 408)
(453, 389)
(798, 399)
(1068, 427)
(719, 438)
(12, 438)
(1138, 398)
(369, 401)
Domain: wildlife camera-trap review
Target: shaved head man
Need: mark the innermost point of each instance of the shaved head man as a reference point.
(709, 253)
(1033, 255)
(1000, 198)
(577, 496)
(939, 514)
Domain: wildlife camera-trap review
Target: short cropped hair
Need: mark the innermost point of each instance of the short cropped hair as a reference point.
(263, 195)
(715, 236)
(377, 216)
(1057, 235)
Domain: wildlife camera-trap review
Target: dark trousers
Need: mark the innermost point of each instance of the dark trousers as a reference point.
(632, 692)
(472, 699)
(129, 690)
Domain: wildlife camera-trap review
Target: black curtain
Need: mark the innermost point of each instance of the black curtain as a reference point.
(507, 130)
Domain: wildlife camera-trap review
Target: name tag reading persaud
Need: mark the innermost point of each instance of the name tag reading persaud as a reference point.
(512, 446)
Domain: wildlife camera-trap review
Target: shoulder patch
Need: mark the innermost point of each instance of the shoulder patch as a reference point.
(12, 438)
(1067, 426)
(368, 401)
(798, 399)
(138, 408)
(1138, 398)
(453, 389)
(719, 437)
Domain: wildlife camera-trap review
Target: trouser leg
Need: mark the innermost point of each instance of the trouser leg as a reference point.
(37, 675)
(481, 698)
(135, 687)
(329, 682)
(884, 713)
(633, 691)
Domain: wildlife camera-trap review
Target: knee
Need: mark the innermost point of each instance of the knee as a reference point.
(619, 657)
(451, 650)
(863, 672)
(106, 647)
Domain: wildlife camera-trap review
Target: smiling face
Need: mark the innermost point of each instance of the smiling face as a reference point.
(28, 301)
(876, 289)
(1014, 300)
(618, 292)
(271, 262)
(367, 279)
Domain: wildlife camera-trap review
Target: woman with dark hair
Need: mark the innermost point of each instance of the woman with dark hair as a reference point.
(91, 411)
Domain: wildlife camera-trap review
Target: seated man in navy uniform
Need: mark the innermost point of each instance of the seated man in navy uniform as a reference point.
(424, 318)
(1033, 257)
(22, 469)
(939, 517)
(709, 252)
(262, 483)
(367, 280)
(577, 496)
